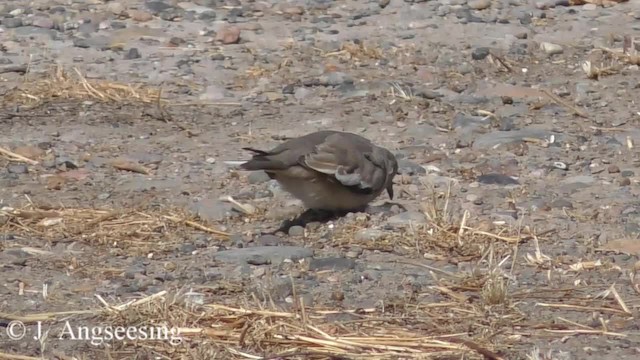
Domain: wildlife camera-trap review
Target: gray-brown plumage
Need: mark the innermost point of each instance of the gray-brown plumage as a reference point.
(329, 170)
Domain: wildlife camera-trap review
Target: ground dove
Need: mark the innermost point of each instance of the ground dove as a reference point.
(329, 170)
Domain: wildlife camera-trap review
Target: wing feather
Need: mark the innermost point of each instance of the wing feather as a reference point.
(347, 162)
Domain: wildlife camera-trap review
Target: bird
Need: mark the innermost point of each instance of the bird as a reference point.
(328, 170)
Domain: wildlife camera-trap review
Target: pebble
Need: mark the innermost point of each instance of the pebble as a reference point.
(479, 4)
(496, 179)
(613, 169)
(269, 254)
(43, 22)
(212, 209)
(228, 35)
(17, 169)
(11, 23)
(296, 231)
(406, 167)
(331, 263)
(258, 177)
(132, 54)
(140, 16)
(480, 53)
(369, 235)
(408, 218)
(551, 48)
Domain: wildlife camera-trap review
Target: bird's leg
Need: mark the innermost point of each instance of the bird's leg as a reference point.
(308, 216)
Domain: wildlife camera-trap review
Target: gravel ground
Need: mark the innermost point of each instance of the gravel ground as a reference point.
(516, 220)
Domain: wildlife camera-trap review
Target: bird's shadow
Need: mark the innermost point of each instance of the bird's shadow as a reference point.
(323, 216)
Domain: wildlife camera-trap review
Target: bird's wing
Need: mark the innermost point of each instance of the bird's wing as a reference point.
(348, 159)
(285, 155)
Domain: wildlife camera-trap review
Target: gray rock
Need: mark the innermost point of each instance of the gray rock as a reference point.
(301, 93)
(407, 218)
(17, 169)
(132, 54)
(268, 240)
(296, 231)
(480, 53)
(212, 209)
(335, 78)
(551, 48)
(332, 263)
(132, 271)
(496, 179)
(581, 179)
(258, 177)
(272, 254)
(369, 235)
(43, 22)
(213, 93)
(11, 23)
(410, 168)
(188, 6)
(479, 4)
(463, 121)
(157, 7)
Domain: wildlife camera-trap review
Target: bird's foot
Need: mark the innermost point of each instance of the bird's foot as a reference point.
(308, 216)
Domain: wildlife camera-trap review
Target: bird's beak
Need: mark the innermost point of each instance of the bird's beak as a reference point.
(390, 190)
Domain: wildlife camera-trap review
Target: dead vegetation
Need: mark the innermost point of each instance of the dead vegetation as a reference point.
(478, 313)
(133, 231)
(61, 84)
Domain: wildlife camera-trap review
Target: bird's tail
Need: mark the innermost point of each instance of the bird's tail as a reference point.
(242, 163)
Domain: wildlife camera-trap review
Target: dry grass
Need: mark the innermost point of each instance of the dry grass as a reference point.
(62, 84)
(133, 230)
(473, 314)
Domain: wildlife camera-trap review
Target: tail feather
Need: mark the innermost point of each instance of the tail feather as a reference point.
(256, 151)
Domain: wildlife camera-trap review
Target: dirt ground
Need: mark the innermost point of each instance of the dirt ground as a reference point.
(513, 234)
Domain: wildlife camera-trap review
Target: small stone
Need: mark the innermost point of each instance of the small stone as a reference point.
(11, 23)
(17, 169)
(332, 263)
(480, 53)
(551, 48)
(133, 53)
(521, 35)
(589, 7)
(296, 231)
(407, 218)
(258, 177)
(613, 169)
(212, 210)
(115, 8)
(43, 22)
(496, 179)
(30, 152)
(293, 10)
(140, 16)
(383, 3)
(268, 240)
(406, 167)
(369, 235)
(479, 4)
(625, 181)
(228, 35)
(301, 93)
